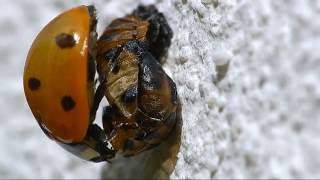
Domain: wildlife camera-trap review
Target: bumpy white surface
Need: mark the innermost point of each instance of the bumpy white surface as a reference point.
(260, 120)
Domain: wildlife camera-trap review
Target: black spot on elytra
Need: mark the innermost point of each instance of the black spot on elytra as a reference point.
(65, 40)
(34, 84)
(130, 95)
(67, 103)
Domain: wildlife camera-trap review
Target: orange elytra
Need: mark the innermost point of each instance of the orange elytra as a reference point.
(56, 79)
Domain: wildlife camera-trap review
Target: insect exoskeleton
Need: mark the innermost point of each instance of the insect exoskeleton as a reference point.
(142, 98)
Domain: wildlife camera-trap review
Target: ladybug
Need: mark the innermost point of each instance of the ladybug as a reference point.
(143, 99)
(59, 84)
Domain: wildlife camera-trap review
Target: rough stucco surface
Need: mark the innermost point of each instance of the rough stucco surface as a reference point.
(247, 73)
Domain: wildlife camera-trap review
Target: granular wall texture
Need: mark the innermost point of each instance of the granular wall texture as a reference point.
(247, 74)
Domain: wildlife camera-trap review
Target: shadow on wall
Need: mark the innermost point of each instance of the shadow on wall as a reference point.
(159, 162)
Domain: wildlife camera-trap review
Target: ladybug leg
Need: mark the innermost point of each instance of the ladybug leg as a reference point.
(159, 34)
(99, 94)
(94, 147)
(97, 137)
(107, 115)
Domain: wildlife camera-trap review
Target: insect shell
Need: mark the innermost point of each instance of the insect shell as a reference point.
(143, 98)
(58, 84)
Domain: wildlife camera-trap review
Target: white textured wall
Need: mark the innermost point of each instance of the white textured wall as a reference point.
(248, 75)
